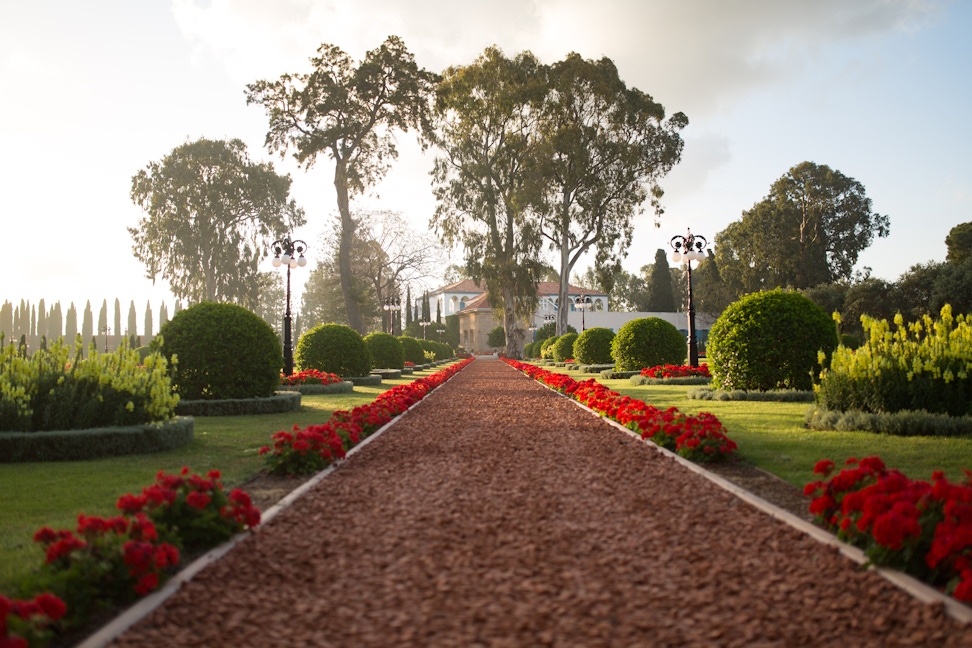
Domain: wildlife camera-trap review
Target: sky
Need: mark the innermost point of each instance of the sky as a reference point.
(94, 91)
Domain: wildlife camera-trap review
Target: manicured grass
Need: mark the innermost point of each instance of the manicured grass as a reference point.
(33, 495)
(771, 436)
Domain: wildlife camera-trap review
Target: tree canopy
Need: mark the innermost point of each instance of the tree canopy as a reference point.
(810, 229)
(604, 147)
(486, 112)
(348, 113)
(211, 215)
(959, 243)
(661, 292)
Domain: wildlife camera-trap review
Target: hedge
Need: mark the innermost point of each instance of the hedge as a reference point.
(281, 401)
(95, 443)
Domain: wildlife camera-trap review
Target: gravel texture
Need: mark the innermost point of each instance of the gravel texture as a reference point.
(498, 513)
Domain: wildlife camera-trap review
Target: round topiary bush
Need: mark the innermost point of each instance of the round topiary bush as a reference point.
(223, 351)
(413, 350)
(849, 341)
(547, 347)
(769, 340)
(647, 342)
(333, 348)
(593, 346)
(563, 348)
(386, 351)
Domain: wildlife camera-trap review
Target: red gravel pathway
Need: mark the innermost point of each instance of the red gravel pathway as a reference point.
(498, 513)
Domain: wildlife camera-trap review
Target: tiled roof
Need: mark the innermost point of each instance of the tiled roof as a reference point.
(464, 286)
(544, 289)
(479, 302)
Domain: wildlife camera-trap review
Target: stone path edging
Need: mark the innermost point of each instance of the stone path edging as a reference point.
(921, 591)
(145, 606)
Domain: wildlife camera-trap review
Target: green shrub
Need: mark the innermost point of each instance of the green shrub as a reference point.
(563, 348)
(284, 401)
(549, 330)
(223, 351)
(439, 350)
(497, 337)
(386, 350)
(919, 367)
(58, 389)
(849, 341)
(593, 346)
(769, 340)
(647, 342)
(334, 348)
(96, 443)
(413, 350)
(530, 350)
(546, 347)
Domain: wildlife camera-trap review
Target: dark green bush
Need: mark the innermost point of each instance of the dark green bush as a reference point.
(530, 350)
(223, 351)
(549, 330)
(386, 350)
(276, 404)
(593, 346)
(563, 348)
(95, 443)
(334, 348)
(647, 342)
(496, 337)
(849, 341)
(441, 350)
(414, 352)
(769, 340)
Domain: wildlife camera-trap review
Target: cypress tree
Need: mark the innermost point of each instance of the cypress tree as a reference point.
(148, 320)
(71, 324)
(426, 309)
(132, 318)
(41, 318)
(87, 324)
(408, 306)
(103, 318)
(6, 320)
(163, 315)
(661, 295)
(55, 323)
(118, 329)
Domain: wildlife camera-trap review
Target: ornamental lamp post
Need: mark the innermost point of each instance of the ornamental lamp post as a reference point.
(583, 302)
(392, 304)
(687, 249)
(107, 332)
(533, 330)
(424, 324)
(291, 254)
(440, 330)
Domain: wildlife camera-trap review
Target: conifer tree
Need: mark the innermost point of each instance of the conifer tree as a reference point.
(41, 318)
(103, 318)
(163, 315)
(117, 330)
(71, 324)
(426, 309)
(132, 318)
(7, 320)
(408, 306)
(147, 331)
(87, 324)
(661, 295)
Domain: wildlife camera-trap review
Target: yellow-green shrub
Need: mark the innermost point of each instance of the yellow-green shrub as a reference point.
(919, 366)
(58, 389)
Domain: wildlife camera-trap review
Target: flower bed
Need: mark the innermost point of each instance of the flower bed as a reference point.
(314, 448)
(107, 562)
(310, 377)
(919, 527)
(699, 438)
(676, 371)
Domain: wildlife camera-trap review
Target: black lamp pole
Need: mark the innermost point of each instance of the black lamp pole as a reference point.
(689, 248)
(290, 253)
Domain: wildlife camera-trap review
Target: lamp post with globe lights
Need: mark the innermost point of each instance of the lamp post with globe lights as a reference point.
(583, 303)
(687, 249)
(392, 304)
(424, 324)
(290, 253)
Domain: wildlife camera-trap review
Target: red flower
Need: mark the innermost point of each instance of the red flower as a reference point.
(823, 467)
(198, 499)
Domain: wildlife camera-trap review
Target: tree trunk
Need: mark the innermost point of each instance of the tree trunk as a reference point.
(514, 334)
(344, 249)
(563, 299)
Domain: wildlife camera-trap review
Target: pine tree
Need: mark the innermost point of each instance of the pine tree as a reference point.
(661, 295)
(148, 320)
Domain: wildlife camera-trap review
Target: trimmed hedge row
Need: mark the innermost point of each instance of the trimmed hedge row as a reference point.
(96, 443)
(902, 423)
(343, 387)
(776, 395)
(281, 401)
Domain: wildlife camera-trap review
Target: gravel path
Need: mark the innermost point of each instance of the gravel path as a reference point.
(500, 514)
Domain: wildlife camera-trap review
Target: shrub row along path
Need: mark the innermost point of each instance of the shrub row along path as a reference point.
(498, 513)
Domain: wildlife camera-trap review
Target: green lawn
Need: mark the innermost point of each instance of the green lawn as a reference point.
(33, 495)
(771, 435)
